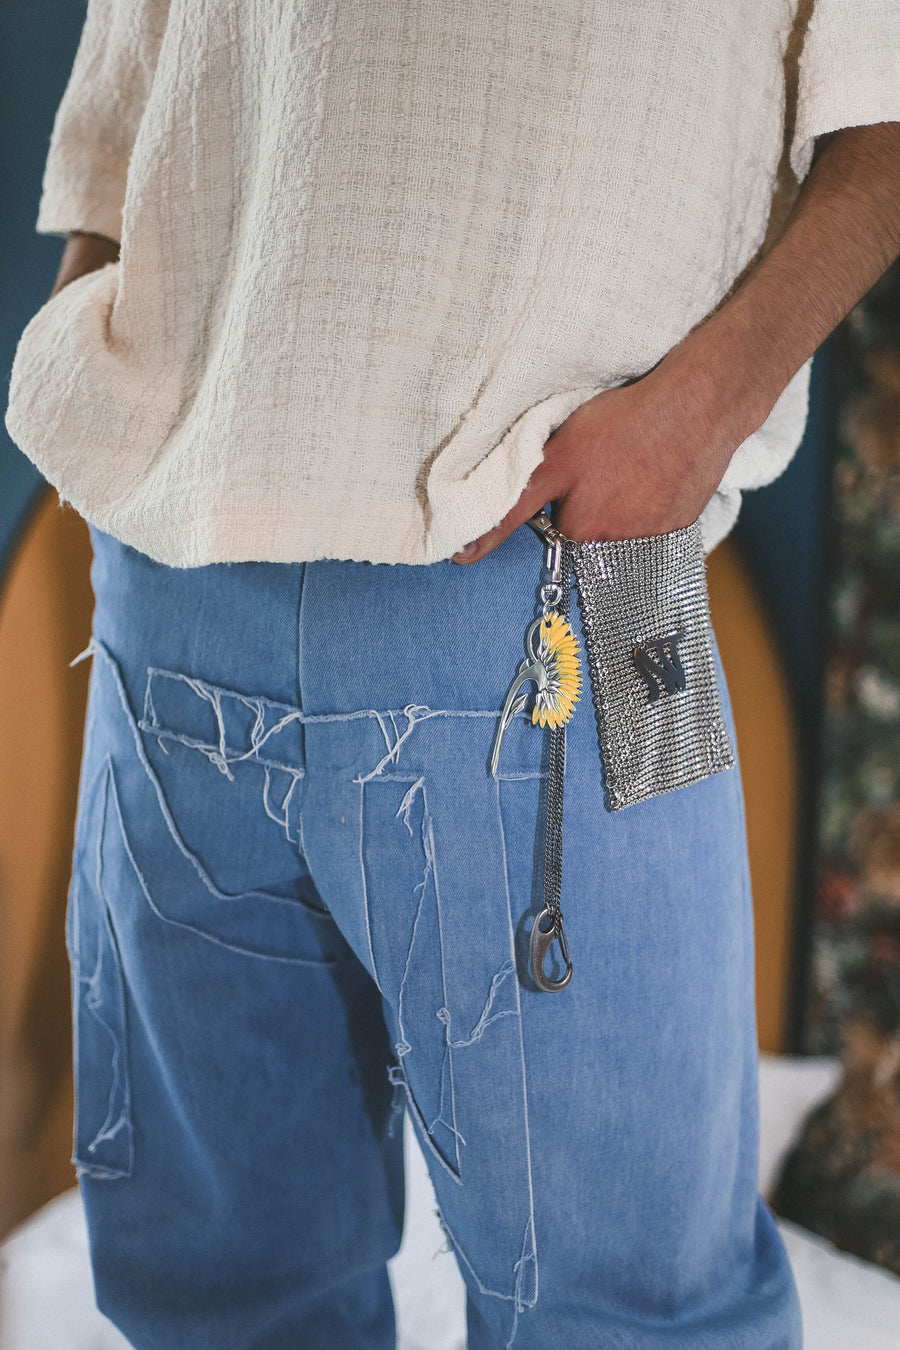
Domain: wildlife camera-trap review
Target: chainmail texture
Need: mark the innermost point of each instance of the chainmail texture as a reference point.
(636, 596)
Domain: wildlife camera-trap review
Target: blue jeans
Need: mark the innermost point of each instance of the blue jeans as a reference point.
(300, 903)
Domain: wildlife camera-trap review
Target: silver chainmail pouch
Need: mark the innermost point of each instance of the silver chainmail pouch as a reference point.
(648, 639)
(649, 643)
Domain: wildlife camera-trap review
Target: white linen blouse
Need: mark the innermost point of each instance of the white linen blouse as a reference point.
(374, 252)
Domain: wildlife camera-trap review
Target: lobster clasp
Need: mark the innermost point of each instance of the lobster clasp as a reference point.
(541, 523)
(542, 940)
(551, 591)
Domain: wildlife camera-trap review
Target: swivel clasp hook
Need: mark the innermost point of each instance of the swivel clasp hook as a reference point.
(542, 940)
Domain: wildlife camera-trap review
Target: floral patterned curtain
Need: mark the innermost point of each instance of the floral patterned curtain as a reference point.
(842, 1180)
(856, 929)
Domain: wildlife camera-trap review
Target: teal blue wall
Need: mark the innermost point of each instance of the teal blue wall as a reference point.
(38, 39)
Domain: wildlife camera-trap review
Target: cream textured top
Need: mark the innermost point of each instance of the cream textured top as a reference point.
(374, 252)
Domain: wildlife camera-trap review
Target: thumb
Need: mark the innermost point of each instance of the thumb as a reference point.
(536, 493)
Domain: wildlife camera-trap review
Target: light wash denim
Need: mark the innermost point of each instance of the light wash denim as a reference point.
(300, 903)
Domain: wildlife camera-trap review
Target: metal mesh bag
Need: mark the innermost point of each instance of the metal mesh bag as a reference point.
(649, 644)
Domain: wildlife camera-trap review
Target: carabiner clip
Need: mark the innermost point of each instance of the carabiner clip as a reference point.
(541, 942)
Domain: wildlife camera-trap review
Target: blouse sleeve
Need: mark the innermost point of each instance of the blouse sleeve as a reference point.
(849, 71)
(98, 119)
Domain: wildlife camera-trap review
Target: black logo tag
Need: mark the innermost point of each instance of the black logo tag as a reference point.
(660, 665)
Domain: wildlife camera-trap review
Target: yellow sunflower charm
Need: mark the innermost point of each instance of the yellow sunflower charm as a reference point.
(551, 664)
(557, 652)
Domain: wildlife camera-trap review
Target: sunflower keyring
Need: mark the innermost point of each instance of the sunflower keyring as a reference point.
(552, 665)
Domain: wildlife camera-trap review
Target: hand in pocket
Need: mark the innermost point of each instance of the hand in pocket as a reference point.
(642, 459)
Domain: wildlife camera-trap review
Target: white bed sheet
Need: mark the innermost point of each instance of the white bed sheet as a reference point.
(46, 1301)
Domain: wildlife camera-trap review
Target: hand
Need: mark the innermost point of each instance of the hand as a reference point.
(641, 459)
(647, 457)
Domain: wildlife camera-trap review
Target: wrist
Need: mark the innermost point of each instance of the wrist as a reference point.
(721, 383)
(768, 344)
(83, 253)
(93, 234)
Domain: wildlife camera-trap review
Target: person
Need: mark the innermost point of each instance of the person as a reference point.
(349, 291)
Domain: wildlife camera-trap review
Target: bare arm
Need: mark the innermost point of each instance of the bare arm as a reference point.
(648, 457)
(843, 233)
(83, 253)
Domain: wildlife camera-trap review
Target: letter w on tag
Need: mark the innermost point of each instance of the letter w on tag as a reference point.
(660, 665)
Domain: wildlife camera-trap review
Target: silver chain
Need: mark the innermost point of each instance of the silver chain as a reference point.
(548, 927)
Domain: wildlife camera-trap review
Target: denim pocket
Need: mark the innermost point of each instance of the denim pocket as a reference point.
(149, 858)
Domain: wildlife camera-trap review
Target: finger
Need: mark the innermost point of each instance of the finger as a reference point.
(537, 493)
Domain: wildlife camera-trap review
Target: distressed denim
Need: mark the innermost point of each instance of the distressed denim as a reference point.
(300, 904)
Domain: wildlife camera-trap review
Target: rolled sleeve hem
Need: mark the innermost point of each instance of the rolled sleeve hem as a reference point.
(849, 72)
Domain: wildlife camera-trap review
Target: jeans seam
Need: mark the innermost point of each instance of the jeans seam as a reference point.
(214, 752)
(520, 1302)
(90, 999)
(454, 1127)
(364, 884)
